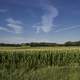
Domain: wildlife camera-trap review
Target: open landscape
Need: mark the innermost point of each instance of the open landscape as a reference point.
(39, 39)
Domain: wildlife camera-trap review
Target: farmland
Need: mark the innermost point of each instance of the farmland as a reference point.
(39, 63)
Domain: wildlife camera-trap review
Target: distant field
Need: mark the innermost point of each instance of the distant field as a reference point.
(38, 48)
(39, 63)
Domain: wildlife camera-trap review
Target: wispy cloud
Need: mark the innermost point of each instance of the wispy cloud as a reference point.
(12, 21)
(14, 26)
(4, 29)
(3, 10)
(47, 19)
(67, 28)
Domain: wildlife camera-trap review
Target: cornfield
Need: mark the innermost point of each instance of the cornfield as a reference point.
(49, 63)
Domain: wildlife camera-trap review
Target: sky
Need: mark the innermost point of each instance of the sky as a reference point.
(39, 21)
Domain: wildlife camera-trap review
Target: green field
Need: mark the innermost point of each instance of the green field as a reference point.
(39, 63)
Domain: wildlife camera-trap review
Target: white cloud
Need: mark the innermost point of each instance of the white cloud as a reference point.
(47, 19)
(3, 10)
(67, 28)
(4, 29)
(12, 21)
(14, 26)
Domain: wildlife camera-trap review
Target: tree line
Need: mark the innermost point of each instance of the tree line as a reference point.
(41, 44)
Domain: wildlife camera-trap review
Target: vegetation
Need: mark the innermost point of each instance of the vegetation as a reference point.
(41, 63)
(41, 44)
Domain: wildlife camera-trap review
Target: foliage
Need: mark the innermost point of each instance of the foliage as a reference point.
(33, 63)
(42, 44)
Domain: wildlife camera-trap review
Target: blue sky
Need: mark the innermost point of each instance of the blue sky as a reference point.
(39, 21)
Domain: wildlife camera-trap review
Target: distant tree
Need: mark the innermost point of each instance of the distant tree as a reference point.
(69, 43)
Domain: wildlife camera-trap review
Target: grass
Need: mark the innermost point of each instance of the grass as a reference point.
(54, 73)
(39, 63)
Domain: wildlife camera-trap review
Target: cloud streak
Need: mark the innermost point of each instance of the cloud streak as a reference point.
(14, 26)
(3, 10)
(12, 21)
(69, 28)
(4, 29)
(47, 19)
